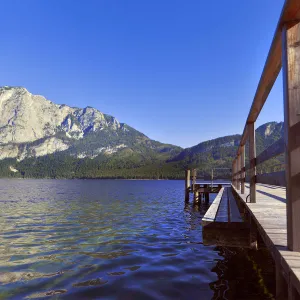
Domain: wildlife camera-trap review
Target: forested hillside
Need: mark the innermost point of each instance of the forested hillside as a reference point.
(148, 159)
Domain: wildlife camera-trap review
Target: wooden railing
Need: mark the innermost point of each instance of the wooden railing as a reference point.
(284, 53)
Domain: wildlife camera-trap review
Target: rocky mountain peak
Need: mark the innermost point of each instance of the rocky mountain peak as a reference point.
(25, 117)
(32, 126)
(268, 129)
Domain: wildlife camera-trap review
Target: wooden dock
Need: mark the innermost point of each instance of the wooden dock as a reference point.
(275, 211)
(236, 222)
(223, 224)
(200, 190)
(270, 203)
(269, 216)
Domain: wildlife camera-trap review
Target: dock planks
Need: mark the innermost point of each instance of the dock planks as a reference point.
(269, 215)
(211, 213)
(223, 224)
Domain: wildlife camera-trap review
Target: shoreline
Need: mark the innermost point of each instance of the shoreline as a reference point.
(128, 179)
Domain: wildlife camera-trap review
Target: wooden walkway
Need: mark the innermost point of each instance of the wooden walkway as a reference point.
(223, 224)
(268, 212)
(269, 215)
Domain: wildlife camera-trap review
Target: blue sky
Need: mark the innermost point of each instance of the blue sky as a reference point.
(179, 71)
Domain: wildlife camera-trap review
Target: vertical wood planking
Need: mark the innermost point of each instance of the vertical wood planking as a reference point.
(252, 157)
(243, 167)
(291, 91)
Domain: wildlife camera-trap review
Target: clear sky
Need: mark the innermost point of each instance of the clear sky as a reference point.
(179, 71)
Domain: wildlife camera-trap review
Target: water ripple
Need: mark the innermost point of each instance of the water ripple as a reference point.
(118, 239)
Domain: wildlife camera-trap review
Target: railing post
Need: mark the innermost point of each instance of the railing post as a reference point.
(291, 90)
(234, 171)
(243, 174)
(252, 159)
(238, 168)
(187, 185)
(235, 177)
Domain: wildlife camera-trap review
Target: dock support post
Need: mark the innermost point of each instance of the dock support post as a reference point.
(291, 91)
(233, 173)
(194, 172)
(242, 177)
(219, 187)
(196, 197)
(238, 168)
(187, 185)
(206, 194)
(252, 159)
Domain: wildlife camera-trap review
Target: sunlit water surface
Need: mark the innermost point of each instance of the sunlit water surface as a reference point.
(113, 239)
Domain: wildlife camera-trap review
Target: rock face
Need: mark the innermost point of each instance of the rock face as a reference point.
(26, 118)
(269, 129)
(32, 126)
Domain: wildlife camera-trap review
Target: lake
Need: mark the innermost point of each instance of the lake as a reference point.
(116, 239)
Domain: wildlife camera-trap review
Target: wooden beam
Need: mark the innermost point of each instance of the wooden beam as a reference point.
(211, 213)
(252, 157)
(281, 284)
(238, 163)
(274, 150)
(196, 197)
(290, 12)
(291, 88)
(275, 178)
(206, 195)
(208, 189)
(243, 170)
(234, 172)
(187, 185)
(227, 234)
(194, 172)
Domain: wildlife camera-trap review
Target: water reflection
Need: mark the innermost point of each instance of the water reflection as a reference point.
(244, 274)
(118, 239)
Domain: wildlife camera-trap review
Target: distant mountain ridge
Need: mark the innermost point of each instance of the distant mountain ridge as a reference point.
(32, 126)
(39, 139)
(223, 147)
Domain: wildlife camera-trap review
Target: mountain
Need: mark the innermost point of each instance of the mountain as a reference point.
(219, 153)
(220, 149)
(32, 126)
(40, 139)
(267, 134)
(216, 149)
